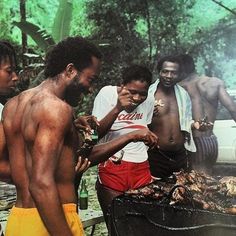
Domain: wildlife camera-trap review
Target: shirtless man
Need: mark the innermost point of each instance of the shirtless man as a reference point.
(172, 122)
(42, 143)
(8, 79)
(205, 93)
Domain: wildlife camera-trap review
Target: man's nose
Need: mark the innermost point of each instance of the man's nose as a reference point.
(14, 77)
(169, 74)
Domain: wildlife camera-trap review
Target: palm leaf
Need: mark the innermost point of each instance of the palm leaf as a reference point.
(61, 26)
(41, 37)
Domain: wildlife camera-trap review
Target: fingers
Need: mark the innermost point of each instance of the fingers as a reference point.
(151, 140)
(196, 125)
(146, 136)
(202, 125)
(86, 123)
(82, 165)
(155, 111)
(125, 98)
(123, 91)
(81, 123)
(95, 121)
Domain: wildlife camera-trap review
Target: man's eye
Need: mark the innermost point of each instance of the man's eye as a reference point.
(9, 71)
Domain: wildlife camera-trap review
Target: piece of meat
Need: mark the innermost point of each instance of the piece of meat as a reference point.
(230, 182)
(231, 210)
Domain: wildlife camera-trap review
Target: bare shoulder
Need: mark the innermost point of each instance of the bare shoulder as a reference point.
(39, 107)
(210, 81)
(53, 109)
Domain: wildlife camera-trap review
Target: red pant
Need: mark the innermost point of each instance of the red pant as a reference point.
(124, 176)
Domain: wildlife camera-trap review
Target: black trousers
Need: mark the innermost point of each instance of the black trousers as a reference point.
(164, 163)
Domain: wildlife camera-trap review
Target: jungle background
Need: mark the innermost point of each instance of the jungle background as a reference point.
(126, 31)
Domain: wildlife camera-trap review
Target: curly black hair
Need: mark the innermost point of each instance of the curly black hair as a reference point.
(137, 73)
(188, 63)
(7, 52)
(170, 58)
(76, 50)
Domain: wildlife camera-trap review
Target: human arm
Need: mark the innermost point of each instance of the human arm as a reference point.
(46, 154)
(197, 104)
(81, 166)
(5, 170)
(102, 152)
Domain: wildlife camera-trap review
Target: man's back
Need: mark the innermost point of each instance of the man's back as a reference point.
(30, 121)
(209, 88)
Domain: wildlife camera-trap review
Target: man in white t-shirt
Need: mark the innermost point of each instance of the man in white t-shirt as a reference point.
(121, 110)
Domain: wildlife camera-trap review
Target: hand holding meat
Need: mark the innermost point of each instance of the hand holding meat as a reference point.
(158, 103)
(86, 123)
(146, 136)
(203, 124)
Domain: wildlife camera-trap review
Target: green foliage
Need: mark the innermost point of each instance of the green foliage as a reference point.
(43, 40)
(139, 31)
(61, 26)
(60, 30)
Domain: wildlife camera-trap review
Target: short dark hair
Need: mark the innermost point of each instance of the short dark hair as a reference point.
(187, 63)
(7, 52)
(76, 50)
(137, 73)
(170, 58)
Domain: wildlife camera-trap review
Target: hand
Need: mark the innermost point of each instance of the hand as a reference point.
(125, 100)
(82, 165)
(158, 103)
(146, 136)
(86, 123)
(203, 124)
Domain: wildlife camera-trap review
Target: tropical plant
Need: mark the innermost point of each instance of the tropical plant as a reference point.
(60, 29)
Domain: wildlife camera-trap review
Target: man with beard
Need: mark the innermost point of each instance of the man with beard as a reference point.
(42, 143)
(172, 121)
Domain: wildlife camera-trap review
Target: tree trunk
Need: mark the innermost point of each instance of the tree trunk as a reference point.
(23, 35)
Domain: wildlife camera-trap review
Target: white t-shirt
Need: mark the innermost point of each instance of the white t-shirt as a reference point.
(125, 122)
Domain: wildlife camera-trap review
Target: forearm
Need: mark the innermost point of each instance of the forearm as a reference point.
(106, 123)
(197, 109)
(102, 152)
(48, 204)
(5, 171)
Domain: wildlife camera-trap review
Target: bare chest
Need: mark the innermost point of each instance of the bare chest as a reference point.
(167, 105)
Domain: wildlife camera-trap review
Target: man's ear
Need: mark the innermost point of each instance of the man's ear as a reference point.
(71, 70)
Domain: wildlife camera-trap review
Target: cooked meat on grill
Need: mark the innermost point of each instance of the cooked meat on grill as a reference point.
(231, 210)
(194, 189)
(230, 182)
